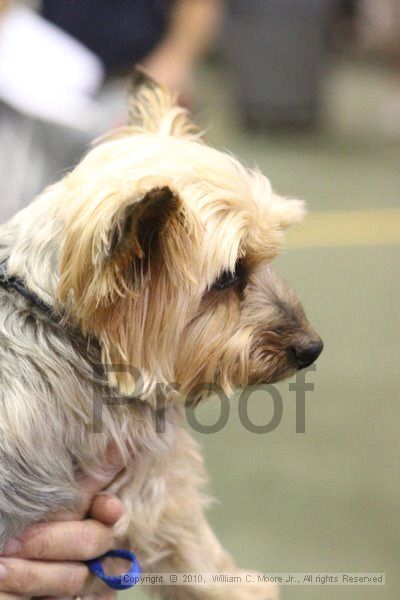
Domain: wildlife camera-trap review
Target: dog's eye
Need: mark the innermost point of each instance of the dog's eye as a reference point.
(228, 279)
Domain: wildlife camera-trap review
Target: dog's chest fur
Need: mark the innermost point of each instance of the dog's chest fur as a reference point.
(57, 417)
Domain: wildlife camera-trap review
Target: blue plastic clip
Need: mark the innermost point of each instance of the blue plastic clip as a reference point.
(121, 582)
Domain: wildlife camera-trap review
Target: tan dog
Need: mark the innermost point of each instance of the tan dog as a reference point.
(150, 261)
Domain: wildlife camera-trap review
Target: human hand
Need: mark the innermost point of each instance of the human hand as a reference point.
(46, 559)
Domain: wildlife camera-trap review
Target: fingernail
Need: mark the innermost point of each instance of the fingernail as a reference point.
(13, 546)
(114, 503)
(3, 571)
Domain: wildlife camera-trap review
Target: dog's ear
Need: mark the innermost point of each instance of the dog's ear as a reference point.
(110, 247)
(136, 227)
(152, 108)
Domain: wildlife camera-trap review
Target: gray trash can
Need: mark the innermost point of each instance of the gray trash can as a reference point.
(277, 53)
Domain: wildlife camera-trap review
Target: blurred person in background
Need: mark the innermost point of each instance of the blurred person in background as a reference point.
(62, 76)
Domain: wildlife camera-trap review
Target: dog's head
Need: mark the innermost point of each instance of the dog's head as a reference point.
(167, 254)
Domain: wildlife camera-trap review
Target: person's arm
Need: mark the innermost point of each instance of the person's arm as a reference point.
(193, 26)
(4, 4)
(46, 560)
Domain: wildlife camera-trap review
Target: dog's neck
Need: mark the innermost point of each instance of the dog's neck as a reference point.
(30, 245)
(17, 285)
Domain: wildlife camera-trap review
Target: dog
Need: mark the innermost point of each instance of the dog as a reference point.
(148, 264)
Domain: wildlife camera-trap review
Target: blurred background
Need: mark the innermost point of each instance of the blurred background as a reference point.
(309, 90)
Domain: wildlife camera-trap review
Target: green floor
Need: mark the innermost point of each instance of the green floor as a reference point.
(329, 499)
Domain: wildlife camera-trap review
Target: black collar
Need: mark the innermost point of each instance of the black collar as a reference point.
(17, 284)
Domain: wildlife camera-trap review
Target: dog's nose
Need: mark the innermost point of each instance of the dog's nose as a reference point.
(304, 356)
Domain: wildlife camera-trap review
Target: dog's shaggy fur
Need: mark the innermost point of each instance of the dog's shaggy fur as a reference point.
(154, 253)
